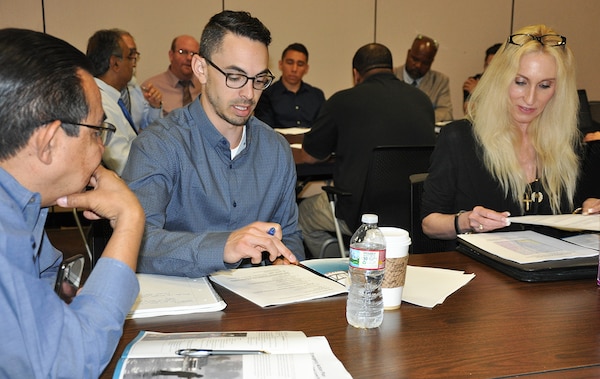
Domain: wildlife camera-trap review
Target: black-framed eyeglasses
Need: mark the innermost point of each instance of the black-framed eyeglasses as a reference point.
(546, 39)
(236, 81)
(104, 132)
(186, 52)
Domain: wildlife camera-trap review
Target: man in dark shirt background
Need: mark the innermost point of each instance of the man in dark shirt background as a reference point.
(290, 102)
(379, 110)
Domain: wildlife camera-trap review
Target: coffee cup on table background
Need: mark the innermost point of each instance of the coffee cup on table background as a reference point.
(396, 259)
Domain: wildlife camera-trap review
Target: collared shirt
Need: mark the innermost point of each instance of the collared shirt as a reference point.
(280, 108)
(409, 79)
(195, 195)
(43, 336)
(172, 91)
(437, 86)
(116, 152)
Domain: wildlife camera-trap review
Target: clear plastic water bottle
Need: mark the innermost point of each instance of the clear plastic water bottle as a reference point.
(367, 262)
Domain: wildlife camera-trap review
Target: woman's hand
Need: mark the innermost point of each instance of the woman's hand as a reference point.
(478, 220)
(591, 206)
(485, 220)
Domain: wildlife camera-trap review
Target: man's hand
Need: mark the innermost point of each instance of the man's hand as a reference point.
(110, 198)
(470, 85)
(152, 95)
(251, 240)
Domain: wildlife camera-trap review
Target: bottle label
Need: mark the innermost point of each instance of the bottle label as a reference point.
(367, 259)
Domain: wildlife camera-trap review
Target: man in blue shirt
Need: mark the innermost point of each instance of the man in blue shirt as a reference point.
(213, 179)
(290, 102)
(53, 136)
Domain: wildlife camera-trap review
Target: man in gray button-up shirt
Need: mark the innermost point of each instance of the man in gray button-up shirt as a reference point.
(217, 184)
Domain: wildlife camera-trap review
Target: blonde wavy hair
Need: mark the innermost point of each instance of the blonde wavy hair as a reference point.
(554, 133)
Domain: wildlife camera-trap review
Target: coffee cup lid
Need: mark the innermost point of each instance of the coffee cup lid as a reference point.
(396, 239)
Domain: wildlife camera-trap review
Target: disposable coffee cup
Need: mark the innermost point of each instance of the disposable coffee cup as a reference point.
(396, 259)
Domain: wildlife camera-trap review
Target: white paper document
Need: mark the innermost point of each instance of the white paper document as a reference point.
(277, 284)
(567, 222)
(172, 295)
(589, 240)
(526, 246)
(429, 286)
(288, 354)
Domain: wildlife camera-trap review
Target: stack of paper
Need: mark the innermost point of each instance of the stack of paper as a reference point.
(428, 286)
(423, 286)
(172, 295)
(277, 284)
(230, 355)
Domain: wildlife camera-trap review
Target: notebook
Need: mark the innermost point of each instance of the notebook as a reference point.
(572, 262)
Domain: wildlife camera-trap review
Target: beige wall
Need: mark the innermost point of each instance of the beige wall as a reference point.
(331, 29)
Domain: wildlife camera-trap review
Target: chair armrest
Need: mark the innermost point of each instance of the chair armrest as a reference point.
(332, 191)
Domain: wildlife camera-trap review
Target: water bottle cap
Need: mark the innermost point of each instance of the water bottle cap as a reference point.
(369, 218)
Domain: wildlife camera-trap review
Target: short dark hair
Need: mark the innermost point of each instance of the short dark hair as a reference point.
(372, 56)
(237, 22)
(492, 50)
(296, 47)
(39, 82)
(101, 46)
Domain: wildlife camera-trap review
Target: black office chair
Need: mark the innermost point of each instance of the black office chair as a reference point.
(421, 243)
(387, 187)
(595, 110)
(589, 114)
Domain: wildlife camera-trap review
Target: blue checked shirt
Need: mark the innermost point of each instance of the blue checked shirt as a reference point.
(43, 337)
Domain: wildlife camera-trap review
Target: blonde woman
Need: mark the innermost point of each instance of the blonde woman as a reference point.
(516, 152)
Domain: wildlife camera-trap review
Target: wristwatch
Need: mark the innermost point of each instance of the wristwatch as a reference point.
(456, 226)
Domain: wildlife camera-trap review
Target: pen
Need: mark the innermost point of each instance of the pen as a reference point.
(271, 232)
(207, 352)
(314, 271)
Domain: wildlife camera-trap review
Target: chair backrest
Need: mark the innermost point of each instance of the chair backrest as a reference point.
(585, 121)
(595, 110)
(387, 187)
(420, 242)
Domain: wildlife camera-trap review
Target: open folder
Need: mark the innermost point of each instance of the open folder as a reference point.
(530, 256)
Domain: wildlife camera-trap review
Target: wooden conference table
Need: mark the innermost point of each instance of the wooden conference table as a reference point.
(494, 327)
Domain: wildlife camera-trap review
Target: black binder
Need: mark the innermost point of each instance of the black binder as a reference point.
(554, 270)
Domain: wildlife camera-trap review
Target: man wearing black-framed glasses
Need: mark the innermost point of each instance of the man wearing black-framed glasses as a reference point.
(51, 120)
(218, 184)
(178, 84)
